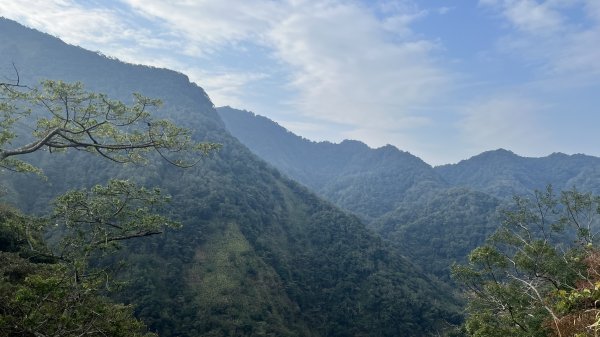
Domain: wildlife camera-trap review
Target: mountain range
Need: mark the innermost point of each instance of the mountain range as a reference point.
(433, 215)
(283, 236)
(258, 253)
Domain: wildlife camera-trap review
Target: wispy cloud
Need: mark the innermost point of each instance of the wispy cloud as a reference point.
(365, 69)
(210, 25)
(362, 75)
(372, 72)
(532, 17)
(561, 39)
(75, 23)
(225, 88)
(141, 36)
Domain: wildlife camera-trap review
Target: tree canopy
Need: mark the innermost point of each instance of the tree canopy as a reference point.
(538, 275)
(60, 116)
(55, 286)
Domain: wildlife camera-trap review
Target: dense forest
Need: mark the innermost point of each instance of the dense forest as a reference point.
(256, 254)
(434, 215)
(117, 221)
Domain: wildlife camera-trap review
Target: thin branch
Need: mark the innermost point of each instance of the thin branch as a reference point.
(127, 237)
(17, 83)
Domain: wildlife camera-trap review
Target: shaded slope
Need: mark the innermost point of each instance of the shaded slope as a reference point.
(369, 182)
(442, 229)
(258, 254)
(407, 202)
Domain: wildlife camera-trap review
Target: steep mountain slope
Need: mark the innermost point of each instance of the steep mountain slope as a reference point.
(502, 173)
(442, 229)
(406, 201)
(369, 182)
(434, 216)
(258, 253)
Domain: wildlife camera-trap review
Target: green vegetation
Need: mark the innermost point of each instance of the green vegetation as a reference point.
(368, 182)
(538, 274)
(433, 216)
(257, 254)
(442, 229)
(404, 199)
(44, 293)
(55, 287)
(64, 116)
(503, 174)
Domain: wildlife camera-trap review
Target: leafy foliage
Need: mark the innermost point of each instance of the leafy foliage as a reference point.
(55, 287)
(66, 116)
(42, 294)
(537, 274)
(442, 229)
(503, 174)
(257, 253)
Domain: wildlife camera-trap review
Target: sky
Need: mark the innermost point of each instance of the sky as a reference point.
(442, 79)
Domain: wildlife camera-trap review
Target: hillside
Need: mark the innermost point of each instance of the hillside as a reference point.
(502, 173)
(441, 229)
(258, 253)
(405, 200)
(368, 182)
(434, 216)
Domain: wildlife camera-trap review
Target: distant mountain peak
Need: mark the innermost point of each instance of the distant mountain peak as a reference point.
(500, 152)
(558, 155)
(357, 144)
(389, 147)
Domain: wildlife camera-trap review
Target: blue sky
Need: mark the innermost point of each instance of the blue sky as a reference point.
(442, 79)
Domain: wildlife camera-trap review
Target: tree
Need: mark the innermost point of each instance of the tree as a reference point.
(65, 116)
(55, 287)
(538, 274)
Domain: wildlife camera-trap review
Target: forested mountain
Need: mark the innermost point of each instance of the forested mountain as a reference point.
(502, 173)
(424, 217)
(258, 254)
(435, 216)
(369, 182)
(441, 229)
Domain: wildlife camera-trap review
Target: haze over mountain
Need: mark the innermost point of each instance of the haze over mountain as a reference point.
(369, 182)
(258, 253)
(502, 173)
(404, 199)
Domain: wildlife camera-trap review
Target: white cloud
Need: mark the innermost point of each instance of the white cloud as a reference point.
(533, 17)
(357, 63)
(552, 38)
(209, 25)
(117, 34)
(227, 87)
(361, 75)
(372, 72)
(508, 121)
(93, 28)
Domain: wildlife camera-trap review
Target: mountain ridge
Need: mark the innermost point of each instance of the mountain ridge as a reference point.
(330, 168)
(258, 253)
(398, 186)
(503, 173)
